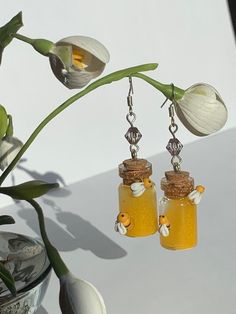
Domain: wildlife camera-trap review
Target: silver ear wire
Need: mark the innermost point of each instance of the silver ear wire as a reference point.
(172, 96)
(174, 146)
(133, 135)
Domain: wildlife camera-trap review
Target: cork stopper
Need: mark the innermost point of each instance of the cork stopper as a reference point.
(177, 184)
(133, 170)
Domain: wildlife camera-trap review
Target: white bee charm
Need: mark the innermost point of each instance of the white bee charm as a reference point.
(119, 227)
(196, 195)
(123, 222)
(138, 188)
(164, 226)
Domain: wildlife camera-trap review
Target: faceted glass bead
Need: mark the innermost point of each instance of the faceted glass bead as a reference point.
(174, 147)
(133, 135)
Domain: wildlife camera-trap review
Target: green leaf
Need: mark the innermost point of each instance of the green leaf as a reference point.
(9, 131)
(6, 220)
(28, 190)
(3, 121)
(7, 278)
(8, 30)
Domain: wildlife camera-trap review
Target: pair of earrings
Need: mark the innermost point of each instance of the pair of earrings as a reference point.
(139, 215)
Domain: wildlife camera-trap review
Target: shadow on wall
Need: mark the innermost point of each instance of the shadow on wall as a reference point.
(42, 310)
(79, 233)
(76, 231)
(50, 176)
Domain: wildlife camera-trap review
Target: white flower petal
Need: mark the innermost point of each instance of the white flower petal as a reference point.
(201, 110)
(67, 66)
(80, 297)
(89, 44)
(64, 53)
(203, 89)
(9, 148)
(78, 79)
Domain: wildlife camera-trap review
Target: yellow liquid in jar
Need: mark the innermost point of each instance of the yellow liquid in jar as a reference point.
(142, 211)
(182, 216)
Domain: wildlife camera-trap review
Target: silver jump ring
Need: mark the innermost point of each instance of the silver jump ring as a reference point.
(173, 128)
(131, 117)
(134, 150)
(176, 161)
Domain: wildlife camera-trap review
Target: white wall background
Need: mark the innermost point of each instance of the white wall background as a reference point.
(191, 40)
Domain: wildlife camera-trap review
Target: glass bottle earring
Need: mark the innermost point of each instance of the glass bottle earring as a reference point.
(178, 207)
(137, 194)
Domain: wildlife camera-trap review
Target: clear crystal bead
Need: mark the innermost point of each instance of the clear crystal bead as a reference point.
(174, 147)
(133, 135)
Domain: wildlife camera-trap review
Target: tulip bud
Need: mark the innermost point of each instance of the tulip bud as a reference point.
(78, 59)
(79, 297)
(201, 110)
(9, 148)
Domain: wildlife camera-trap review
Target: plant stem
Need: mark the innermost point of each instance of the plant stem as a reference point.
(56, 261)
(43, 46)
(167, 89)
(24, 38)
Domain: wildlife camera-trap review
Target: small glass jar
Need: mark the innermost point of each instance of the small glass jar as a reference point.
(137, 198)
(179, 210)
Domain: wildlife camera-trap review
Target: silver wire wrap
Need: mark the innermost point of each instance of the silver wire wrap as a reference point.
(133, 135)
(174, 146)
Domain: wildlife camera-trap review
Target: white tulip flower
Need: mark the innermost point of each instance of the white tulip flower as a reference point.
(78, 59)
(79, 297)
(9, 148)
(201, 110)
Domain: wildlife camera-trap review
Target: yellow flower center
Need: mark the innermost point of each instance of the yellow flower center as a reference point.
(78, 58)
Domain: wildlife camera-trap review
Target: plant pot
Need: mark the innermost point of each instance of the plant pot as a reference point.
(27, 261)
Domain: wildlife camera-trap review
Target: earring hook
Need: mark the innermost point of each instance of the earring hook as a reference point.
(129, 97)
(131, 87)
(172, 95)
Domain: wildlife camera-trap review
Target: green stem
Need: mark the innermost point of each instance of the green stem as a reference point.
(166, 89)
(24, 38)
(56, 261)
(115, 76)
(43, 46)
